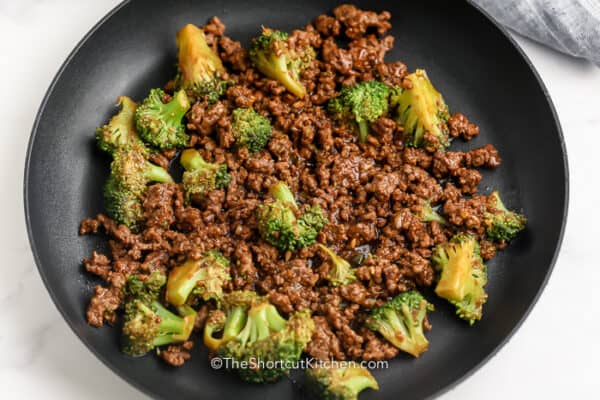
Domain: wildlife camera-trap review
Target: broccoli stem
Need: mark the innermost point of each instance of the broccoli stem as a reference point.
(182, 280)
(173, 327)
(363, 130)
(334, 257)
(262, 320)
(429, 215)
(276, 68)
(391, 326)
(276, 321)
(211, 327)
(163, 340)
(283, 193)
(341, 272)
(406, 312)
(499, 204)
(260, 329)
(191, 160)
(437, 218)
(295, 87)
(169, 322)
(235, 323)
(186, 311)
(157, 174)
(176, 109)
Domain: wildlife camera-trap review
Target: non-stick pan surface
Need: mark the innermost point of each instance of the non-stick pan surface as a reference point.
(473, 63)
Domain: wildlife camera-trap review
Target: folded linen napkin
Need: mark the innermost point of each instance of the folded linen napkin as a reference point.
(570, 26)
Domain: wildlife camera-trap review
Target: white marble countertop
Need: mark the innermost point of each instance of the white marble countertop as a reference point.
(554, 355)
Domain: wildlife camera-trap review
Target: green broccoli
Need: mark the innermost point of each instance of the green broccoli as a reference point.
(341, 272)
(502, 224)
(160, 124)
(279, 225)
(204, 278)
(339, 383)
(200, 177)
(421, 109)
(131, 168)
(428, 214)
(130, 174)
(270, 54)
(148, 289)
(462, 276)
(122, 204)
(147, 323)
(250, 330)
(250, 129)
(362, 104)
(120, 130)
(199, 68)
(402, 320)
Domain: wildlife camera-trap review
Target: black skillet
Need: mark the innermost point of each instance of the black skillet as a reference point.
(477, 67)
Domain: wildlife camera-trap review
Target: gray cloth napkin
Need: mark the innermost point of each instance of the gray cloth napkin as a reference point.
(570, 26)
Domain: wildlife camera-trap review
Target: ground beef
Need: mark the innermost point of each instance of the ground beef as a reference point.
(372, 194)
(214, 27)
(233, 54)
(461, 126)
(327, 26)
(357, 21)
(159, 159)
(486, 157)
(376, 348)
(325, 345)
(98, 264)
(103, 306)
(177, 355)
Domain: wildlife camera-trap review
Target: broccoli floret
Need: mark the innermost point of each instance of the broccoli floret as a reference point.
(362, 104)
(199, 68)
(402, 320)
(270, 54)
(428, 214)
(421, 109)
(120, 130)
(131, 168)
(146, 290)
(204, 277)
(122, 204)
(130, 174)
(160, 124)
(200, 177)
(279, 226)
(462, 276)
(502, 224)
(147, 323)
(252, 331)
(312, 219)
(341, 272)
(339, 383)
(250, 129)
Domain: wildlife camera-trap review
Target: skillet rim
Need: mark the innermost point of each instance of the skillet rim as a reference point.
(145, 389)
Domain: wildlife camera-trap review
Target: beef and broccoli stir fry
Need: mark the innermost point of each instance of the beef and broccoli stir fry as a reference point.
(320, 196)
